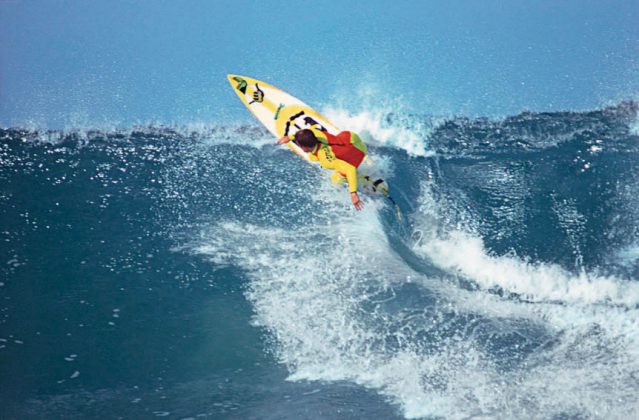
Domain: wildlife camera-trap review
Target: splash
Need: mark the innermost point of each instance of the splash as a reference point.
(381, 128)
(466, 254)
(634, 126)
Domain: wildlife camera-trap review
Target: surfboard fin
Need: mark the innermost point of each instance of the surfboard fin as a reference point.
(398, 211)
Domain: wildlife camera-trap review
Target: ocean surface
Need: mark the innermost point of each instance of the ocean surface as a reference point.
(203, 272)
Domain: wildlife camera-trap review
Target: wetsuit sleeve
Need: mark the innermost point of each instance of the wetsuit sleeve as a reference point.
(351, 174)
(319, 134)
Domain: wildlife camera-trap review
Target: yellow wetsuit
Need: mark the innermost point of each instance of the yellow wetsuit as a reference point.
(343, 153)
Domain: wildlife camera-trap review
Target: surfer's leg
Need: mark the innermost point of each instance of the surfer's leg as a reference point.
(337, 178)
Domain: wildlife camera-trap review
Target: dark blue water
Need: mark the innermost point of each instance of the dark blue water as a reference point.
(185, 274)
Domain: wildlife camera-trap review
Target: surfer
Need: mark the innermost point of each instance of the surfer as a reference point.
(343, 153)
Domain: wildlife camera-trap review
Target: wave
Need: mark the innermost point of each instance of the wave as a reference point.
(510, 289)
(417, 135)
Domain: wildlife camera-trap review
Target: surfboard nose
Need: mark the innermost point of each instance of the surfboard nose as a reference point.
(235, 78)
(231, 78)
(237, 82)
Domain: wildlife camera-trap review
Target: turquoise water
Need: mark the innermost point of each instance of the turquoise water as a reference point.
(172, 272)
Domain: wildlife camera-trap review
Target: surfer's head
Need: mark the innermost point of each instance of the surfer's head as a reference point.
(306, 140)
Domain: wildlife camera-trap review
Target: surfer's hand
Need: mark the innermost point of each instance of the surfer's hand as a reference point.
(356, 201)
(283, 140)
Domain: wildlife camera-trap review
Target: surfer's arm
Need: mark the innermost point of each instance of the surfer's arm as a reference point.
(284, 139)
(343, 168)
(319, 133)
(350, 172)
(351, 176)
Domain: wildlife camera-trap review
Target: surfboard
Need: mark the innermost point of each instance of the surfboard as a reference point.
(283, 114)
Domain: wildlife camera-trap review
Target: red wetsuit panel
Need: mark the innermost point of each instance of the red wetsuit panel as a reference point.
(343, 148)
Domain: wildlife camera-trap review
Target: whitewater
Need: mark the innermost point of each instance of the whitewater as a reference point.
(203, 272)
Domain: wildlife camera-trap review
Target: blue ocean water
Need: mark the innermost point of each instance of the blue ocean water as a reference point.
(202, 272)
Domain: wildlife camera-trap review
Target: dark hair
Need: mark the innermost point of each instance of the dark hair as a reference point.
(305, 138)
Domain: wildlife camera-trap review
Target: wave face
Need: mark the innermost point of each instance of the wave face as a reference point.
(509, 290)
